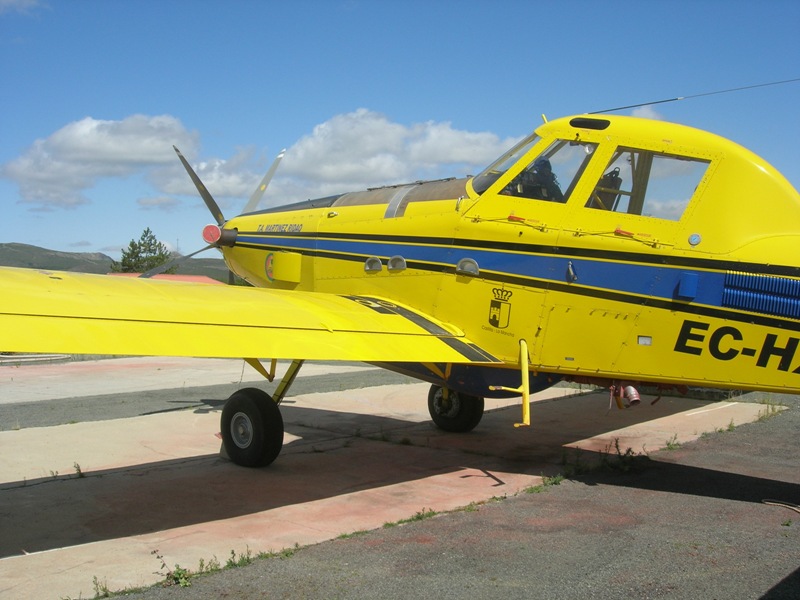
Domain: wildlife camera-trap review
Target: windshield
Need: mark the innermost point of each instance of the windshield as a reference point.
(492, 173)
(554, 173)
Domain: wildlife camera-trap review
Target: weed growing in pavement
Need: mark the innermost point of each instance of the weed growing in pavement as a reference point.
(673, 443)
(177, 576)
(183, 577)
(577, 466)
(547, 482)
(347, 536)
(551, 481)
(421, 515)
(612, 458)
(619, 460)
(731, 426)
(212, 566)
(100, 588)
(78, 472)
(285, 553)
(771, 408)
(425, 513)
(239, 561)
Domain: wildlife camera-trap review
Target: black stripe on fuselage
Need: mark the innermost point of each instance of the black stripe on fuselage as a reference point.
(470, 351)
(531, 249)
(561, 251)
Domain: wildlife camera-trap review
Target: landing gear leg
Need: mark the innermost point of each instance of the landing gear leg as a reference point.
(252, 428)
(452, 411)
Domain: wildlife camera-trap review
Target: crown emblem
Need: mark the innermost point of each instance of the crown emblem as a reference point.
(501, 294)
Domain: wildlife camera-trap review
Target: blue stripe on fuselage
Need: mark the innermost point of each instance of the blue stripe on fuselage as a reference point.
(623, 277)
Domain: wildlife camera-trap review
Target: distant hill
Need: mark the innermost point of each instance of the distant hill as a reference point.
(33, 257)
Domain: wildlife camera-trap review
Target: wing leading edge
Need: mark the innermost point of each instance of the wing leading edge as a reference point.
(76, 313)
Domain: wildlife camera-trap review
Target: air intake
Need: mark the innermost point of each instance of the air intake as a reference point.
(762, 294)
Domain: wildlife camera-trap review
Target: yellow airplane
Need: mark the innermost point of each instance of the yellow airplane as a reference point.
(612, 250)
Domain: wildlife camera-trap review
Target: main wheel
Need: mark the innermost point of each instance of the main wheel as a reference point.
(252, 428)
(458, 412)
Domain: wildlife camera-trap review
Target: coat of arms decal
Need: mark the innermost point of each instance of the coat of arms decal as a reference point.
(500, 308)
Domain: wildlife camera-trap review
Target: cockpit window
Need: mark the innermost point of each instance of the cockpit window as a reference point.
(493, 172)
(553, 174)
(650, 184)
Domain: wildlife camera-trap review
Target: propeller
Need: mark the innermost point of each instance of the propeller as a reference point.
(172, 263)
(215, 235)
(262, 187)
(204, 193)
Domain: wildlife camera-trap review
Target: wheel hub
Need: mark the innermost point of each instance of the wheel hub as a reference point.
(241, 430)
(447, 407)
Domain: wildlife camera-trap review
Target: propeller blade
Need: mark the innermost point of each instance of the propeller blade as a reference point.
(204, 193)
(171, 263)
(262, 187)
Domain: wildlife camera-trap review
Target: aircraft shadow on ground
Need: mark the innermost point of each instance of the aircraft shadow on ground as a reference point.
(645, 473)
(327, 461)
(786, 589)
(655, 475)
(652, 474)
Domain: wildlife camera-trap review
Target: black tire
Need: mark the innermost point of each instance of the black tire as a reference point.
(459, 413)
(252, 428)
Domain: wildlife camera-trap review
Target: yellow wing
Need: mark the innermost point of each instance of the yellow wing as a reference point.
(75, 313)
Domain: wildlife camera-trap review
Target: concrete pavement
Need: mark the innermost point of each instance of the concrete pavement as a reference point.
(94, 500)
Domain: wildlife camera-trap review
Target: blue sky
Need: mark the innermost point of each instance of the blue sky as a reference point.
(361, 93)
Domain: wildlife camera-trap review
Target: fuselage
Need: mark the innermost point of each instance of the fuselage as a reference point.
(658, 253)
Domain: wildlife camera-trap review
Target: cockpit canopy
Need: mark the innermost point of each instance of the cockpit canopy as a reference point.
(633, 181)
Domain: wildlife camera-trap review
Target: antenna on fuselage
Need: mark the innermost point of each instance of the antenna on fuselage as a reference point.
(737, 89)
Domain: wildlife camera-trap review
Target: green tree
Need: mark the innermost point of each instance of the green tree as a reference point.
(143, 255)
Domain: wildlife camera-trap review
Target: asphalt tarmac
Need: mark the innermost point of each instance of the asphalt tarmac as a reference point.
(684, 523)
(407, 512)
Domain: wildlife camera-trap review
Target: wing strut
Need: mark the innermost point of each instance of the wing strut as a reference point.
(256, 364)
(286, 381)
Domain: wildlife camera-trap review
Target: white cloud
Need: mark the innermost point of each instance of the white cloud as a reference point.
(348, 147)
(433, 144)
(136, 140)
(647, 112)
(56, 171)
(363, 148)
(166, 203)
(348, 152)
(18, 6)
